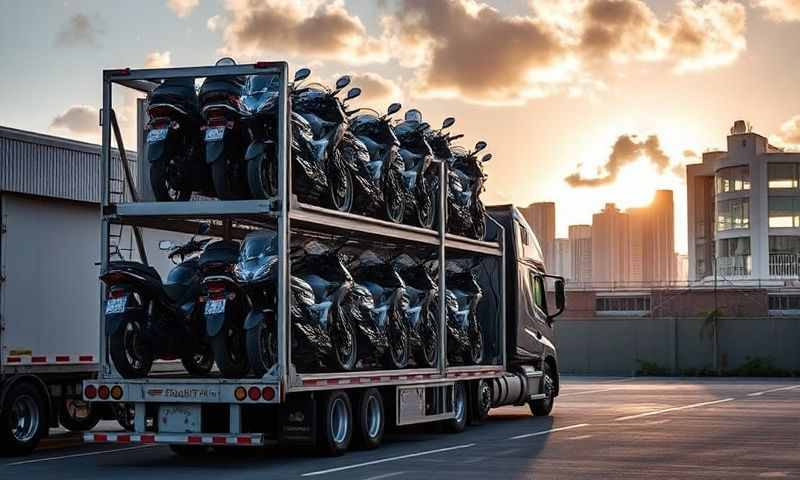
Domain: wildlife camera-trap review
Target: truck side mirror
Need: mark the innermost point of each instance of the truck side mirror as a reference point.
(560, 298)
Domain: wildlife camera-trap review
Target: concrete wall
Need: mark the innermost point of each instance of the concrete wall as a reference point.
(614, 346)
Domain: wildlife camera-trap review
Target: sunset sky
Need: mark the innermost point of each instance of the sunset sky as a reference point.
(581, 102)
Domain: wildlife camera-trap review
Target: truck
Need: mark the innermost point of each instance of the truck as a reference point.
(330, 410)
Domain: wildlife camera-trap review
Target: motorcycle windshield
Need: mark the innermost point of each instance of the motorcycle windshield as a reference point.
(261, 93)
(258, 257)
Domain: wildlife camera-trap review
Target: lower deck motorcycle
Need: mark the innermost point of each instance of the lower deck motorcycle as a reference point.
(464, 336)
(147, 319)
(422, 314)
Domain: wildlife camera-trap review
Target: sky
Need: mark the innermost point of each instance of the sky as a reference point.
(582, 102)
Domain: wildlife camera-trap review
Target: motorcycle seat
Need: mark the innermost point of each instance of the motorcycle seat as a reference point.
(179, 92)
(226, 251)
(319, 285)
(136, 267)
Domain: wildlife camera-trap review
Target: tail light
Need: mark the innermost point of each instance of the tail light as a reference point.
(160, 112)
(215, 290)
(103, 392)
(217, 120)
(116, 392)
(240, 393)
(254, 393)
(90, 392)
(112, 278)
(268, 393)
(117, 293)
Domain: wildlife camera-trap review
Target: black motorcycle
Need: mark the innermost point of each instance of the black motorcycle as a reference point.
(464, 336)
(381, 182)
(225, 307)
(422, 314)
(225, 133)
(147, 319)
(174, 144)
(384, 329)
(420, 180)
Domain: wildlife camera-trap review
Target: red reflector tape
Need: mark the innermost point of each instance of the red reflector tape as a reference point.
(148, 439)
(39, 359)
(219, 440)
(62, 358)
(243, 440)
(14, 360)
(124, 438)
(194, 439)
(100, 437)
(86, 358)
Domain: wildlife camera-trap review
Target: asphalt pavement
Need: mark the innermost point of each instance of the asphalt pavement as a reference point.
(600, 428)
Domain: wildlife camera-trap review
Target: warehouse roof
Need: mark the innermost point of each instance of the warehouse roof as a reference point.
(49, 166)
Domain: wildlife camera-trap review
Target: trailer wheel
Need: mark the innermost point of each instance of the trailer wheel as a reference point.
(544, 406)
(189, 450)
(336, 423)
(77, 415)
(460, 403)
(23, 421)
(481, 400)
(370, 419)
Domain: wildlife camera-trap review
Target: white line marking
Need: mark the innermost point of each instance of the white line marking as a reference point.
(544, 432)
(385, 475)
(569, 394)
(758, 394)
(99, 452)
(673, 409)
(384, 460)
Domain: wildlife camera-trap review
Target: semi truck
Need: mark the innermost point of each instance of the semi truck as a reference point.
(322, 408)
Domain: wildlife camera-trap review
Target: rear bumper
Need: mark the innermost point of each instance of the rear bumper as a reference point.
(220, 439)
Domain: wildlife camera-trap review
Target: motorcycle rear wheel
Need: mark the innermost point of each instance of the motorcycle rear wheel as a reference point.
(426, 211)
(475, 346)
(262, 348)
(230, 350)
(262, 177)
(428, 355)
(343, 339)
(163, 189)
(132, 357)
(226, 182)
(341, 190)
(393, 201)
(199, 363)
(397, 336)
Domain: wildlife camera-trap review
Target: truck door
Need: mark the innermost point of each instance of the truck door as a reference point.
(544, 330)
(535, 330)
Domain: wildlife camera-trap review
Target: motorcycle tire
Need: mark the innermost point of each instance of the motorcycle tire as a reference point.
(69, 418)
(199, 363)
(427, 217)
(262, 177)
(341, 190)
(475, 349)
(394, 205)
(262, 348)
(428, 354)
(230, 350)
(131, 356)
(224, 180)
(479, 222)
(397, 335)
(162, 190)
(344, 341)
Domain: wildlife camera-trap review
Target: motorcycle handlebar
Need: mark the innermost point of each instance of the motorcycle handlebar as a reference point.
(455, 137)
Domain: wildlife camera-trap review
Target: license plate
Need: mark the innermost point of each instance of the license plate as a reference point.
(214, 307)
(156, 135)
(179, 418)
(215, 133)
(116, 305)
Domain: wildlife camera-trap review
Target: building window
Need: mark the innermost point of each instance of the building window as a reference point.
(734, 213)
(784, 303)
(632, 304)
(784, 256)
(782, 175)
(733, 256)
(784, 212)
(732, 179)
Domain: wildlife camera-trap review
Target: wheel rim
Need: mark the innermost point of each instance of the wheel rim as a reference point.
(425, 208)
(341, 189)
(343, 337)
(548, 388)
(374, 417)
(394, 199)
(459, 406)
(134, 345)
(431, 341)
(398, 343)
(340, 421)
(484, 397)
(24, 418)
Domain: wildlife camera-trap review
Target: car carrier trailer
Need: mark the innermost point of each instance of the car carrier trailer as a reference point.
(326, 409)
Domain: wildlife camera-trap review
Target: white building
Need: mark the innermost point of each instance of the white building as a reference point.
(744, 210)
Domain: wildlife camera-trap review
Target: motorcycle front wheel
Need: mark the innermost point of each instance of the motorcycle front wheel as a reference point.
(429, 334)
(262, 177)
(129, 351)
(479, 222)
(341, 190)
(393, 201)
(427, 206)
(343, 339)
(226, 182)
(262, 348)
(475, 345)
(397, 336)
(230, 350)
(165, 188)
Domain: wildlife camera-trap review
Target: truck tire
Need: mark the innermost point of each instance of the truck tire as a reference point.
(460, 405)
(77, 415)
(544, 406)
(131, 355)
(230, 350)
(24, 420)
(370, 419)
(336, 423)
(481, 400)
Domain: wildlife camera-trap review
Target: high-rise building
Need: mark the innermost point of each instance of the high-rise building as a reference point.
(580, 249)
(541, 217)
(652, 240)
(610, 245)
(562, 260)
(744, 210)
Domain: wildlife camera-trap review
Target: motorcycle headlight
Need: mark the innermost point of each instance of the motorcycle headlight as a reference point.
(255, 269)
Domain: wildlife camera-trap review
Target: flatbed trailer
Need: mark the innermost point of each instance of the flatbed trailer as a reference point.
(326, 409)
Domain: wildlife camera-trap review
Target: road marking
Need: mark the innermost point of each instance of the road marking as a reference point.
(99, 452)
(545, 432)
(673, 409)
(579, 437)
(384, 460)
(758, 394)
(385, 475)
(569, 394)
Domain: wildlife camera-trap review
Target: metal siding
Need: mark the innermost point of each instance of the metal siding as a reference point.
(47, 166)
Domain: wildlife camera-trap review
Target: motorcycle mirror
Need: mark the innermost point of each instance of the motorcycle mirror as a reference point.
(343, 82)
(413, 115)
(486, 157)
(353, 93)
(480, 146)
(393, 108)
(225, 62)
(166, 245)
(302, 74)
(203, 228)
(448, 122)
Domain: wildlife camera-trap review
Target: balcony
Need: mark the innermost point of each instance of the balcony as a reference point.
(784, 265)
(736, 266)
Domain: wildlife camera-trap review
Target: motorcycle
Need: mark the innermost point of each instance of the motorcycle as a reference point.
(174, 146)
(422, 314)
(464, 336)
(225, 134)
(147, 319)
(382, 179)
(225, 307)
(385, 327)
(421, 181)
(466, 214)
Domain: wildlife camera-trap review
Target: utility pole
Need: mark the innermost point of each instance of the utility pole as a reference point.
(715, 321)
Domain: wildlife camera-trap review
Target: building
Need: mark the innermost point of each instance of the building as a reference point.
(744, 210)
(580, 250)
(542, 219)
(652, 240)
(610, 245)
(562, 260)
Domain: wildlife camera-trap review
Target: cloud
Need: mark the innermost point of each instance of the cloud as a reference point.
(320, 29)
(213, 23)
(621, 31)
(626, 150)
(706, 35)
(375, 89)
(182, 8)
(157, 59)
(789, 136)
(79, 30)
(780, 10)
(78, 119)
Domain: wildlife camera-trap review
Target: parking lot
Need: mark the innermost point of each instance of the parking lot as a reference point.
(600, 428)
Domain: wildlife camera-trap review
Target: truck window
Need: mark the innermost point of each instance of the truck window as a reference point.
(539, 298)
(523, 234)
